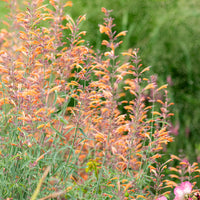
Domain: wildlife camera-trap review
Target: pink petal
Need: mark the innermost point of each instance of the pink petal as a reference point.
(179, 193)
(161, 198)
(186, 187)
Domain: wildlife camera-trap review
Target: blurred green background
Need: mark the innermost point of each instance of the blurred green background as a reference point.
(168, 36)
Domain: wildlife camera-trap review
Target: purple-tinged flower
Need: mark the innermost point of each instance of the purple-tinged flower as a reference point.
(169, 80)
(182, 190)
(174, 129)
(161, 198)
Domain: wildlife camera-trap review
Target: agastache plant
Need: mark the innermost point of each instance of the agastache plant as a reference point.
(96, 121)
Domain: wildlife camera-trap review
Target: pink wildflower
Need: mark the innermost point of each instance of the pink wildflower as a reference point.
(182, 190)
(161, 198)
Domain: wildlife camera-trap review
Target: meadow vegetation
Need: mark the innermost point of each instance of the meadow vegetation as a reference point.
(82, 123)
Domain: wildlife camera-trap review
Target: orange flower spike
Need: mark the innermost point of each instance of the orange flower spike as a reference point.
(156, 113)
(175, 157)
(144, 70)
(174, 176)
(41, 126)
(128, 186)
(68, 3)
(162, 87)
(104, 10)
(52, 2)
(161, 102)
(141, 196)
(68, 18)
(39, 158)
(81, 18)
(104, 29)
(126, 54)
(123, 33)
(112, 47)
(107, 195)
(150, 86)
(105, 42)
(13, 144)
(115, 178)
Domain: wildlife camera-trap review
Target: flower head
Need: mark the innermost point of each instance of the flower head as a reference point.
(182, 190)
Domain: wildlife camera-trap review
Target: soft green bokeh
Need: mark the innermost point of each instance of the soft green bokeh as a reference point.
(3, 12)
